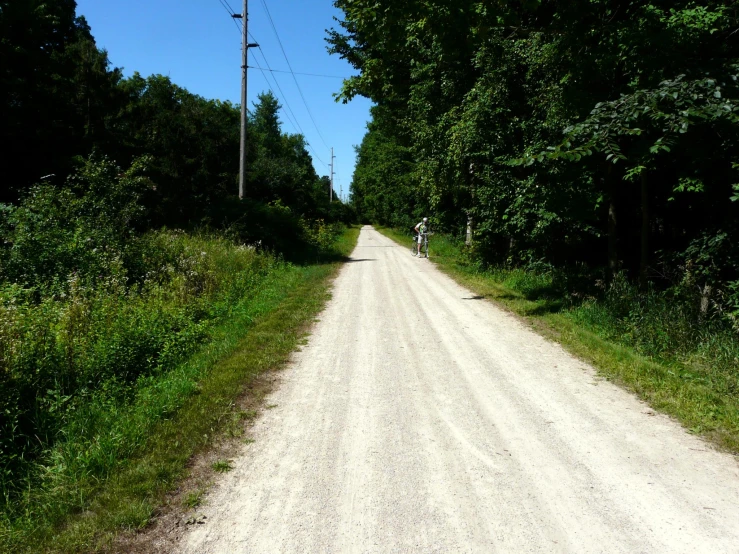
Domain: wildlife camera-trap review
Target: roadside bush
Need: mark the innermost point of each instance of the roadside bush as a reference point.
(90, 306)
(64, 353)
(272, 227)
(80, 232)
(95, 311)
(662, 324)
(322, 235)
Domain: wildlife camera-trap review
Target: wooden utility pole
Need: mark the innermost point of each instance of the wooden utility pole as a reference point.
(244, 66)
(331, 191)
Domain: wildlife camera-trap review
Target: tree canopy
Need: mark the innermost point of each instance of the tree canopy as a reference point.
(61, 101)
(594, 132)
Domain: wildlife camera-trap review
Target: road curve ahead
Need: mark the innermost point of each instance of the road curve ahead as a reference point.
(420, 418)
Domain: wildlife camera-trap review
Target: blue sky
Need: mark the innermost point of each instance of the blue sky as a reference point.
(197, 44)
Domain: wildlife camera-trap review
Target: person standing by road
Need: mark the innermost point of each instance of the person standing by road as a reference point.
(421, 229)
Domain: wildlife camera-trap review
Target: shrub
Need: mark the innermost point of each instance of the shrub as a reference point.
(90, 307)
(80, 231)
(62, 354)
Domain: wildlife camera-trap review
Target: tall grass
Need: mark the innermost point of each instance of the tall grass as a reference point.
(71, 364)
(98, 322)
(116, 368)
(665, 326)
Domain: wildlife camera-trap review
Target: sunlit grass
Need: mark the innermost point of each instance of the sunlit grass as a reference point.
(147, 442)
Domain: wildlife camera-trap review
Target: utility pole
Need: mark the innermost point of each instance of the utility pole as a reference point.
(331, 192)
(244, 66)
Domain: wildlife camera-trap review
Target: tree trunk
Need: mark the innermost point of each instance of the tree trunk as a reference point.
(644, 262)
(613, 264)
(705, 301)
(472, 188)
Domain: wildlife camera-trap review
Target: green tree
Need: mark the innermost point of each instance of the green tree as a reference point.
(194, 144)
(472, 88)
(56, 87)
(280, 167)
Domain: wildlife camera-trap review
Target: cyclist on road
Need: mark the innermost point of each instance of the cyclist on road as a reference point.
(421, 229)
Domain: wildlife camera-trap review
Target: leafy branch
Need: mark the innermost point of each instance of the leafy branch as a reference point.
(663, 113)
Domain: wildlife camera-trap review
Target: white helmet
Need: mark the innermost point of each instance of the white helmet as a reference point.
(425, 219)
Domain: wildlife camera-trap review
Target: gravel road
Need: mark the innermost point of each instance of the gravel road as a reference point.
(420, 418)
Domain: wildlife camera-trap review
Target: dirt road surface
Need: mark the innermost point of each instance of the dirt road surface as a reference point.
(420, 418)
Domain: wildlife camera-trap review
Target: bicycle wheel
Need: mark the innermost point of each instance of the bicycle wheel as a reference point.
(425, 248)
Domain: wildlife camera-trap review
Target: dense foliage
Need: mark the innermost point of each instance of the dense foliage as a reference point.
(596, 132)
(98, 294)
(60, 99)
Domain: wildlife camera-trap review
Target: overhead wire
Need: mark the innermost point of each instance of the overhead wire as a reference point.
(284, 96)
(294, 120)
(289, 115)
(272, 23)
(231, 12)
(287, 104)
(299, 73)
(240, 28)
(229, 6)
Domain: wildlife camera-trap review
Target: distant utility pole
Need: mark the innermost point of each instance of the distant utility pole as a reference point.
(244, 66)
(331, 191)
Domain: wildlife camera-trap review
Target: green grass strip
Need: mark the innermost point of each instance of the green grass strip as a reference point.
(260, 336)
(703, 406)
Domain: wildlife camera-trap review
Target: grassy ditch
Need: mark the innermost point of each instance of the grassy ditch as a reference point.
(118, 452)
(651, 343)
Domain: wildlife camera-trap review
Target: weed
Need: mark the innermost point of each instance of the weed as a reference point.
(222, 466)
(193, 499)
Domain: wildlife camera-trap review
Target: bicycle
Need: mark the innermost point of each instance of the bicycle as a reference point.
(424, 250)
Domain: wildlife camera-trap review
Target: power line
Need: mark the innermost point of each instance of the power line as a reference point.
(295, 124)
(240, 28)
(287, 104)
(229, 6)
(289, 110)
(298, 73)
(231, 12)
(269, 15)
